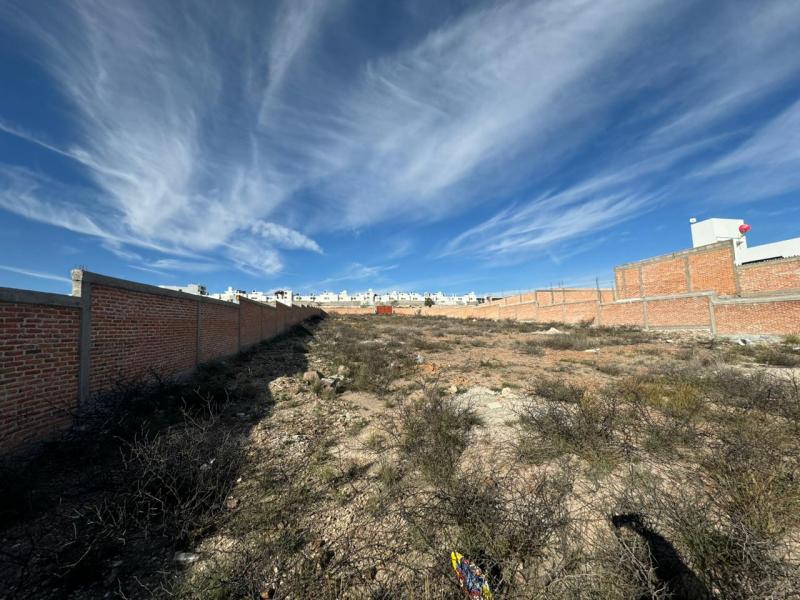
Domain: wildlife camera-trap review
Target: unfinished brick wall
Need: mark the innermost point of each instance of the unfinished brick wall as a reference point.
(680, 290)
(712, 269)
(664, 277)
(707, 269)
(691, 312)
(774, 316)
(621, 313)
(39, 364)
(350, 310)
(771, 276)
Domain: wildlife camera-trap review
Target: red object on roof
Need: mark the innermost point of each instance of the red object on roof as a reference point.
(744, 228)
(383, 310)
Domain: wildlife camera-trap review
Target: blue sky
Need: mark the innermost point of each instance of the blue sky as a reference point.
(448, 145)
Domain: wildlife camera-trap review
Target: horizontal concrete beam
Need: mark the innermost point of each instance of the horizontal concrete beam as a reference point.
(80, 276)
(31, 297)
(657, 298)
(757, 299)
(681, 253)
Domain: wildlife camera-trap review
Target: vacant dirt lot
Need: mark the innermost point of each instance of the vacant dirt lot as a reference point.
(348, 459)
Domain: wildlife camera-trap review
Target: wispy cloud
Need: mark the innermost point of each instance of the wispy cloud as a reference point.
(36, 274)
(145, 84)
(766, 164)
(284, 237)
(580, 114)
(353, 273)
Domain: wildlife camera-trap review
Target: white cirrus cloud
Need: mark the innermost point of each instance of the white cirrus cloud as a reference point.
(36, 274)
(237, 135)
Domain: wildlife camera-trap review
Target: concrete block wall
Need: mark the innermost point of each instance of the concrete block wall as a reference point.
(58, 353)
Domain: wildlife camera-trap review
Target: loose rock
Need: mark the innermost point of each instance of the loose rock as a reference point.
(312, 377)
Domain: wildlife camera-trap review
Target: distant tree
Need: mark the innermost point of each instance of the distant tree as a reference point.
(429, 302)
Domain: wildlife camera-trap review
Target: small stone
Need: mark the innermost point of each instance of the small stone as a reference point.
(186, 557)
(419, 359)
(453, 389)
(330, 383)
(592, 351)
(312, 377)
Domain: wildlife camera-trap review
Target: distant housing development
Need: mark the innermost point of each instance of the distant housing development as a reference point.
(327, 298)
(704, 233)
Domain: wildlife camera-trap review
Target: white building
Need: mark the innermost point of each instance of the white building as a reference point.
(711, 231)
(328, 298)
(192, 288)
(229, 295)
(367, 297)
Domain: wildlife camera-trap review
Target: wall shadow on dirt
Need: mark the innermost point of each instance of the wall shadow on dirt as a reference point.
(106, 506)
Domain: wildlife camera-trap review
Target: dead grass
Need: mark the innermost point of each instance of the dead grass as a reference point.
(652, 469)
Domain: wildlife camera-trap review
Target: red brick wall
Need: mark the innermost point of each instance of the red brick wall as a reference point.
(269, 322)
(39, 366)
(250, 316)
(133, 330)
(554, 312)
(627, 313)
(776, 317)
(628, 282)
(508, 312)
(133, 333)
(679, 312)
(581, 311)
(527, 312)
(712, 270)
(664, 277)
(776, 275)
(351, 310)
(219, 330)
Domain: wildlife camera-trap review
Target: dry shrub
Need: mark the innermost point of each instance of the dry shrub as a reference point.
(668, 412)
(509, 524)
(593, 429)
(375, 364)
(557, 390)
(776, 355)
(732, 522)
(180, 478)
(431, 433)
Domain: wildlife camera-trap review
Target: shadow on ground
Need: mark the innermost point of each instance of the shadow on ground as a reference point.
(679, 581)
(138, 480)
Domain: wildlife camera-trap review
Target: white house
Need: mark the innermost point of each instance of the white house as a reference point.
(327, 297)
(192, 288)
(711, 231)
(229, 295)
